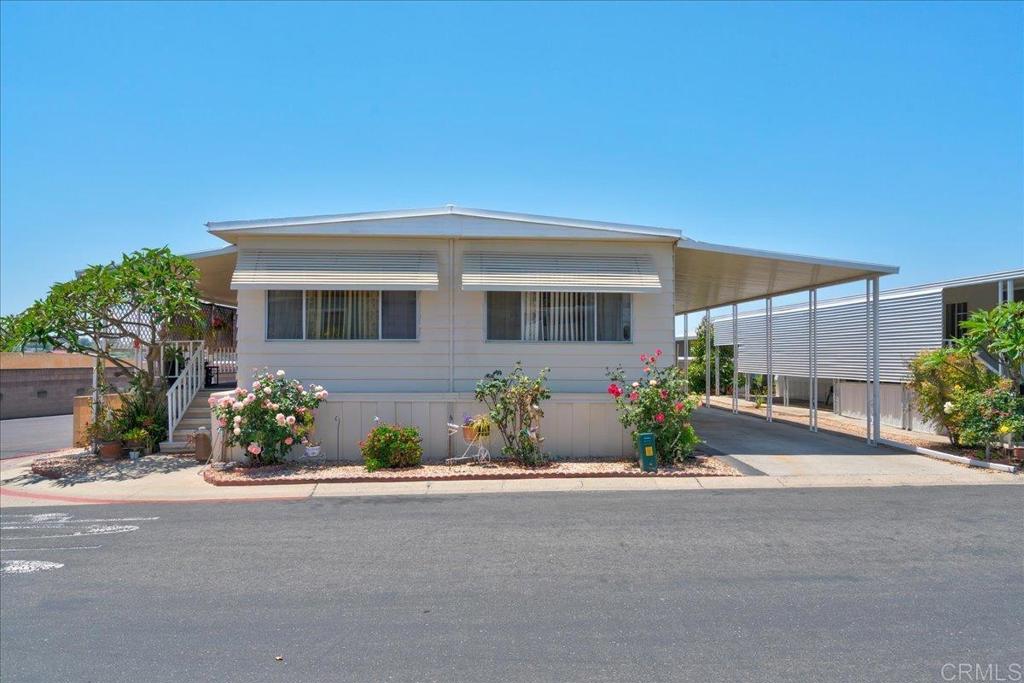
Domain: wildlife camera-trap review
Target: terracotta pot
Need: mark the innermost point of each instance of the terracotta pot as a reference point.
(469, 433)
(110, 450)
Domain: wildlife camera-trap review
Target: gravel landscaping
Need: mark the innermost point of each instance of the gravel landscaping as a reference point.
(302, 474)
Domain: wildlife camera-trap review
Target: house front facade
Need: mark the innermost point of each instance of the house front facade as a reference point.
(399, 314)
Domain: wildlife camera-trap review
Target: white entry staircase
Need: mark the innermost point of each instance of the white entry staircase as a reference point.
(195, 416)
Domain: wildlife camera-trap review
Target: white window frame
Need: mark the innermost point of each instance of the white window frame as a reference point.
(380, 318)
(595, 340)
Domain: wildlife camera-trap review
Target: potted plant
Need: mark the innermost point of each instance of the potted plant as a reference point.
(475, 426)
(104, 433)
(135, 440)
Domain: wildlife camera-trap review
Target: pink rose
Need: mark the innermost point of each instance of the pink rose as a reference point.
(634, 395)
(222, 422)
(288, 441)
(663, 394)
(679, 407)
(657, 352)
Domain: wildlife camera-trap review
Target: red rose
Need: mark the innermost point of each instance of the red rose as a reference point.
(660, 417)
(664, 394)
(614, 390)
(679, 407)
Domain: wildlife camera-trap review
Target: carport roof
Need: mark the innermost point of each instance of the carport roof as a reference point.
(712, 275)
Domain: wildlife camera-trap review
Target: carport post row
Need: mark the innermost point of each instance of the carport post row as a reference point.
(777, 275)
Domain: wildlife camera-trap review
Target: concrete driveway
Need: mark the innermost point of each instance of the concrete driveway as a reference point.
(779, 449)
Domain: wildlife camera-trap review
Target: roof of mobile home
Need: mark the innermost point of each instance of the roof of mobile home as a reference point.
(707, 275)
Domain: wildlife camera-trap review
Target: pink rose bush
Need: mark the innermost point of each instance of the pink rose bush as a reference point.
(658, 402)
(268, 420)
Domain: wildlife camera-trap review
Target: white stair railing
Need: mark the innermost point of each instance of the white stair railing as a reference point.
(188, 383)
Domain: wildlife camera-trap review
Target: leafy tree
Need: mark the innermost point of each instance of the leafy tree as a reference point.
(705, 339)
(137, 300)
(999, 332)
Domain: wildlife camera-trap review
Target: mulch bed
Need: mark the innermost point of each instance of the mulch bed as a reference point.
(79, 463)
(348, 474)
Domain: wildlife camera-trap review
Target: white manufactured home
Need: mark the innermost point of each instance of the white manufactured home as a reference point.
(911, 320)
(398, 314)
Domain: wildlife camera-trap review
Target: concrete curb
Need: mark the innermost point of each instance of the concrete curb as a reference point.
(210, 477)
(939, 455)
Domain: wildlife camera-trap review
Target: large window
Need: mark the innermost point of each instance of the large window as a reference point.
(558, 316)
(340, 315)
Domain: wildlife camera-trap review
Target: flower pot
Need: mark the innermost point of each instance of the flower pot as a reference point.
(469, 433)
(110, 450)
(313, 451)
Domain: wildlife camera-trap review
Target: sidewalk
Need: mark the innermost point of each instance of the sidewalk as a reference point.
(20, 488)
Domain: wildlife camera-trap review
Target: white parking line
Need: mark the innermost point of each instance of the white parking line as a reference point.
(56, 521)
(27, 566)
(32, 550)
(95, 530)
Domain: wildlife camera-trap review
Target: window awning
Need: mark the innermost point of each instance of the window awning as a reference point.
(493, 271)
(320, 269)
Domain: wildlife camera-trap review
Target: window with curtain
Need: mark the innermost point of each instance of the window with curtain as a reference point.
(341, 315)
(284, 314)
(558, 316)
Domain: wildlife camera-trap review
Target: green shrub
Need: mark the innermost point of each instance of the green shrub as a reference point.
(657, 402)
(986, 417)
(936, 375)
(513, 404)
(391, 446)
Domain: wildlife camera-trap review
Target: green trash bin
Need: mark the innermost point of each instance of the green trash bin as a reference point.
(648, 456)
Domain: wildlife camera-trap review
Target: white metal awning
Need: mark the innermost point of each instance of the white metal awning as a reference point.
(324, 269)
(712, 275)
(493, 271)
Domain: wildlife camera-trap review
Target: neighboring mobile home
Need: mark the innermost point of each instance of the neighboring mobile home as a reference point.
(399, 313)
(912, 319)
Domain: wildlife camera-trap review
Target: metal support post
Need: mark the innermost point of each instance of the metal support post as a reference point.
(876, 364)
(868, 393)
(768, 354)
(707, 356)
(735, 362)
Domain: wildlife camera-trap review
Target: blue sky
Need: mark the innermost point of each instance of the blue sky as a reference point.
(880, 132)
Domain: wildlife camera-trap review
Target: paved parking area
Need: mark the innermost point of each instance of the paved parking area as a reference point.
(779, 449)
(34, 435)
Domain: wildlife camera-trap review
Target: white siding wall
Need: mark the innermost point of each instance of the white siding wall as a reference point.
(574, 425)
(907, 325)
(347, 367)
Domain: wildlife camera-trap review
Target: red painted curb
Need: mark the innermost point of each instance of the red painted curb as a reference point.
(210, 477)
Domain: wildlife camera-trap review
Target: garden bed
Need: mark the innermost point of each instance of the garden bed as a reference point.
(79, 465)
(352, 473)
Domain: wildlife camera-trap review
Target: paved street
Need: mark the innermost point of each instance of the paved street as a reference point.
(34, 434)
(810, 584)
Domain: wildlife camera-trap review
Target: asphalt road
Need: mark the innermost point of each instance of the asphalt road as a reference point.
(34, 435)
(782, 585)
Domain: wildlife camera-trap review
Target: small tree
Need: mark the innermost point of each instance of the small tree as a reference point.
(999, 332)
(704, 344)
(513, 402)
(133, 301)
